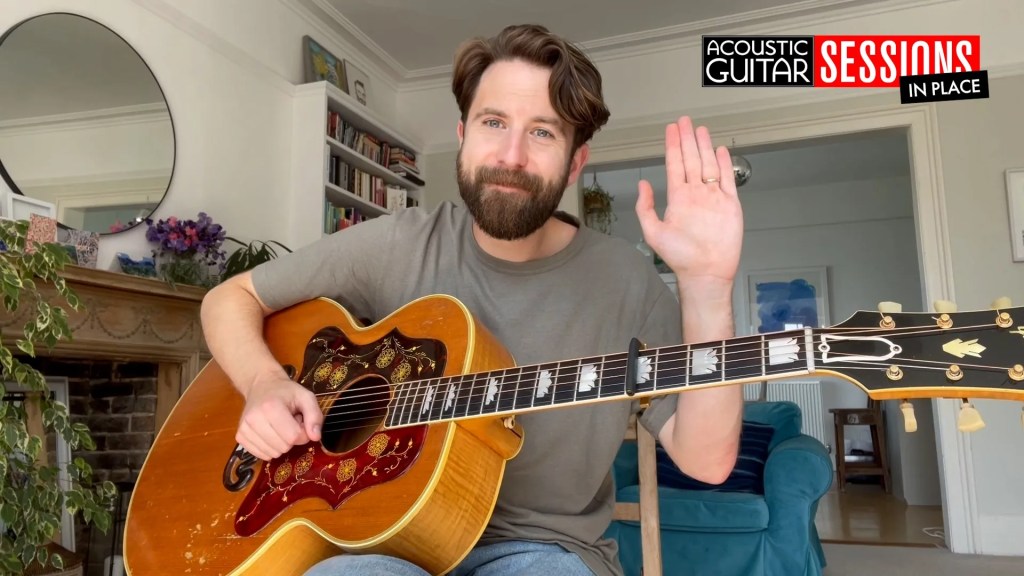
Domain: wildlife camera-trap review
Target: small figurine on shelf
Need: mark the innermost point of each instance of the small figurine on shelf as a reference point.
(187, 249)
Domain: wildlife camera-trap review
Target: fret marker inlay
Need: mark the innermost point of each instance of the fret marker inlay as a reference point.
(449, 399)
(428, 398)
(588, 375)
(783, 351)
(543, 383)
(705, 361)
(492, 390)
(643, 370)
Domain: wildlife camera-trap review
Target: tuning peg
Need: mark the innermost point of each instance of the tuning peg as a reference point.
(909, 420)
(944, 306)
(890, 307)
(1001, 303)
(969, 419)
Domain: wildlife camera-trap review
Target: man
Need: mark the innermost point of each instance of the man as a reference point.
(548, 289)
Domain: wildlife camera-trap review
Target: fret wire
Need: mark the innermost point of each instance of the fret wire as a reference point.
(440, 393)
(723, 370)
(403, 394)
(471, 390)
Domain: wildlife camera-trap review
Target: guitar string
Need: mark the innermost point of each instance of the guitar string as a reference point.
(681, 349)
(344, 417)
(572, 373)
(678, 353)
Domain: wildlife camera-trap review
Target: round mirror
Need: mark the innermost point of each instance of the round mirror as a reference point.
(84, 126)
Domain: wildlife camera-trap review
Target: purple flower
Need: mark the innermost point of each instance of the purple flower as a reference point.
(200, 238)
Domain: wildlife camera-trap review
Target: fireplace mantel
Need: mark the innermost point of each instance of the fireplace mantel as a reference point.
(130, 318)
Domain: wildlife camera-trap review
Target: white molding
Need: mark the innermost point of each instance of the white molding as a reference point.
(786, 99)
(369, 56)
(955, 454)
(88, 119)
(173, 15)
(778, 20)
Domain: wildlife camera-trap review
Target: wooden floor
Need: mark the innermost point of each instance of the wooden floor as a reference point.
(864, 514)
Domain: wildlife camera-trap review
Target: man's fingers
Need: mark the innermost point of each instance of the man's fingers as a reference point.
(728, 178)
(645, 203)
(674, 169)
(708, 162)
(691, 155)
(251, 441)
(312, 416)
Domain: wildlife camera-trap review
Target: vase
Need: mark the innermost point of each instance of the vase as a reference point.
(183, 269)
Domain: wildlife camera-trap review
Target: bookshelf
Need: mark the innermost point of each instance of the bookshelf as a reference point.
(340, 156)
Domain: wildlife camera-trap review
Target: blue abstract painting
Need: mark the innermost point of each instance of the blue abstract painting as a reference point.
(786, 305)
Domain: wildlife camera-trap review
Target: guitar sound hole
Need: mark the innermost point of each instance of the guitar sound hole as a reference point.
(356, 414)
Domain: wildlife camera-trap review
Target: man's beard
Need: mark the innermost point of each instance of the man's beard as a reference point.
(509, 215)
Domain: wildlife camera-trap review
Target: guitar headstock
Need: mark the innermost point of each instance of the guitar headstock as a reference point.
(945, 354)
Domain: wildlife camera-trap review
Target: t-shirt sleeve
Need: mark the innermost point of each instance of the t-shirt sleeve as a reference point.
(340, 267)
(663, 327)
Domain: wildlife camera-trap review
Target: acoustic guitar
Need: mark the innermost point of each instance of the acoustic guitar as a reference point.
(419, 423)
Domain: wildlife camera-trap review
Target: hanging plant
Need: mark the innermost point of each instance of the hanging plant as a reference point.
(597, 208)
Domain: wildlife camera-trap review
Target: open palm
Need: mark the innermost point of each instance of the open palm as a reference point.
(701, 233)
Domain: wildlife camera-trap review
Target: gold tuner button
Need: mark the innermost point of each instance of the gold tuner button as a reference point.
(894, 372)
(954, 373)
(887, 308)
(944, 306)
(1016, 373)
(945, 321)
(1003, 320)
(886, 322)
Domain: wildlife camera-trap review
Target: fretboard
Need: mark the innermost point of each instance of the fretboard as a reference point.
(602, 378)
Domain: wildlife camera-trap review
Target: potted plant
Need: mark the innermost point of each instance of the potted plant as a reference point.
(32, 499)
(249, 256)
(597, 207)
(186, 249)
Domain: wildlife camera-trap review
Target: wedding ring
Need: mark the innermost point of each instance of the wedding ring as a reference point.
(709, 180)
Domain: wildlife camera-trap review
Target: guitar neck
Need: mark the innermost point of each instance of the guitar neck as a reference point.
(659, 371)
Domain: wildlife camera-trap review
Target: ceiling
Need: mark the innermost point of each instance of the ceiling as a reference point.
(418, 36)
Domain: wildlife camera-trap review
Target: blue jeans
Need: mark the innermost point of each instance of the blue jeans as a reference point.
(514, 558)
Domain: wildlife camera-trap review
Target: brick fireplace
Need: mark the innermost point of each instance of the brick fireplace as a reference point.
(136, 345)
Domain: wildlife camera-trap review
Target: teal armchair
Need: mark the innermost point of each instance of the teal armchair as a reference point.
(727, 533)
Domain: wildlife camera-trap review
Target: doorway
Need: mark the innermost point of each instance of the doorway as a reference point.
(844, 202)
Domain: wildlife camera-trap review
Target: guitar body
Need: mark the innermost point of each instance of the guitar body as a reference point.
(423, 493)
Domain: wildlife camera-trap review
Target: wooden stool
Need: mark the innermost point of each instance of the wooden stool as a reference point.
(873, 418)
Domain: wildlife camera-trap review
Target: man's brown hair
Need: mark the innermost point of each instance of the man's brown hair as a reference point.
(575, 86)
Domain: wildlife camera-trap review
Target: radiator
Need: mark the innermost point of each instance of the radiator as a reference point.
(805, 393)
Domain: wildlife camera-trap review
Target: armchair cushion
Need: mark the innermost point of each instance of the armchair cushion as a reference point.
(746, 477)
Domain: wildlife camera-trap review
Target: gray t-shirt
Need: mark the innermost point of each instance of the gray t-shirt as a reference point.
(589, 299)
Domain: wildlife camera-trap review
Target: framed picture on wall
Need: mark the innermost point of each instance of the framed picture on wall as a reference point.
(358, 82)
(1015, 208)
(320, 64)
(787, 299)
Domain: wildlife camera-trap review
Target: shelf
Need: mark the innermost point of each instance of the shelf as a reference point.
(365, 119)
(369, 166)
(340, 197)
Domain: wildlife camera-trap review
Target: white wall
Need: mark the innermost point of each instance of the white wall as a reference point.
(980, 140)
(648, 84)
(227, 70)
